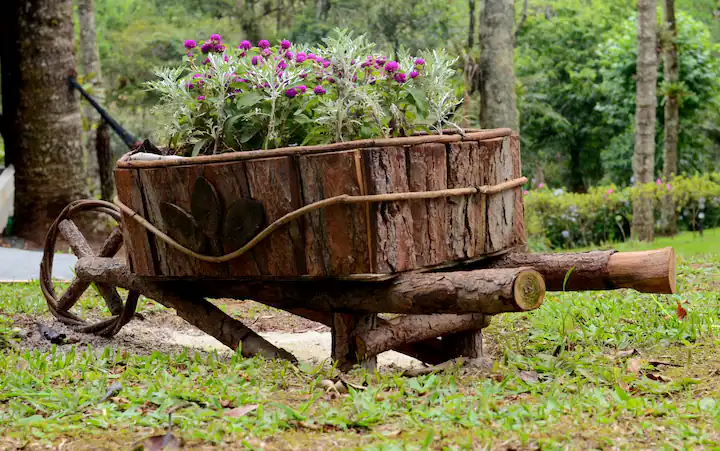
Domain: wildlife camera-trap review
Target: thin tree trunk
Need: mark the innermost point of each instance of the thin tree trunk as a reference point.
(498, 104)
(471, 26)
(322, 7)
(672, 113)
(47, 129)
(90, 61)
(644, 157)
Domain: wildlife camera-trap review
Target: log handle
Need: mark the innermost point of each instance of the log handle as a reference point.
(336, 200)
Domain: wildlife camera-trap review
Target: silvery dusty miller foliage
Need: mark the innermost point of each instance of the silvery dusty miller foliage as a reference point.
(263, 96)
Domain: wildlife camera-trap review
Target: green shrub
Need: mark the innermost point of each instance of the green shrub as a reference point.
(558, 219)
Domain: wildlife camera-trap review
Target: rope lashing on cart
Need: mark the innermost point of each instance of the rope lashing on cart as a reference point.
(127, 138)
(337, 200)
(60, 308)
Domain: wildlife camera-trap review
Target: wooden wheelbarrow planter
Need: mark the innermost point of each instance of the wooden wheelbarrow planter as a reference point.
(428, 227)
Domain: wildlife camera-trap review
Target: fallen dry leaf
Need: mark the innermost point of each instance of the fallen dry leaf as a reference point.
(21, 365)
(529, 377)
(658, 377)
(634, 365)
(241, 411)
(625, 353)
(341, 388)
(225, 403)
(680, 312)
(166, 442)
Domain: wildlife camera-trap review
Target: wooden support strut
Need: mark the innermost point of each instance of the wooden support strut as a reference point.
(645, 271)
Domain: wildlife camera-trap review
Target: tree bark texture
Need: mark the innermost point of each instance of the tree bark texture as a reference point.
(341, 239)
(498, 103)
(644, 157)
(90, 62)
(105, 161)
(48, 150)
(672, 112)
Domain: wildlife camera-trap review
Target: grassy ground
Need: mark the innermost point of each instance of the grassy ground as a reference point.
(616, 370)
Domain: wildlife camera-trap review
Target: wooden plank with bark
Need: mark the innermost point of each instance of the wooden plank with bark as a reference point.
(336, 238)
(519, 237)
(427, 171)
(138, 245)
(467, 213)
(346, 327)
(274, 182)
(392, 244)
(500, 206)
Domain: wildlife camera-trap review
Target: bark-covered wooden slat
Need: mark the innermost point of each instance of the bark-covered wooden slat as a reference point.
(391, 223)
(274, 182)
(467, 214)
(427, 171)
(174, 185)
(500, 206)
(519, 233)
(230, 182)
(336, 238)
(137, 241)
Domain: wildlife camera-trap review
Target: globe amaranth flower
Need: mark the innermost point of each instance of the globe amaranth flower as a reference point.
(226, 58)
(326, 64)
(201, 98)
(266, 52)
(391, 66)
(400, 77)
(289, 55)
(414, 74)
(264, 43)
(190, 85)
(285, 44)
(245, 45)
(610, 191)
(243, 54)
(282, 65)
(215, 37)
(331, 79)
(311, 56)
(319, 90)
(302, 89)
(198, 76)
(190, 44)
(219, 48)
(419, 62)
(256, 60)
(290, 93)
(207, 47)
(300, 57)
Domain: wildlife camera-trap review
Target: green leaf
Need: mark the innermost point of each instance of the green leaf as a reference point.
(248, 134)
(248, 99)
(567, 277)
(418, 98)
(198, 147)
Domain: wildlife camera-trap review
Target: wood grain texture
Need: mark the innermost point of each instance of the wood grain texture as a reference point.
(467, 214)
(427, 171)
(274, 182)
(135, 237)
(519, 237)
(391, 223)
(336, 238)
(498, 168)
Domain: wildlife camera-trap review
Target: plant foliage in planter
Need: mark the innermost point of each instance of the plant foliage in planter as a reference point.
(263, 96)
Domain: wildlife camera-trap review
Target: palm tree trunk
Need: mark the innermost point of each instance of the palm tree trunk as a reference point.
(644, 157)
(672, 113)
(46, 128)
(498, 103)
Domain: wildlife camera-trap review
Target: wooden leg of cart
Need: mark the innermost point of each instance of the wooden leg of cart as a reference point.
(346, 327)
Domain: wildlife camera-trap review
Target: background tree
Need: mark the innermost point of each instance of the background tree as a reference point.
(92, 75)
(498, 102)
(644, 157)
(672, 89)
(45, 128)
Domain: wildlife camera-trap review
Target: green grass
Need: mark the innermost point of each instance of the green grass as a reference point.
(686, 244)
(558, 383)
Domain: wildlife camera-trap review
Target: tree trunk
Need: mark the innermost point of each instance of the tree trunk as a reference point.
(248, 19)
(46, 128)
(497, 84)
(90, 61)
(644, 157)
(672, 113)
(322, 7)
(471, 26)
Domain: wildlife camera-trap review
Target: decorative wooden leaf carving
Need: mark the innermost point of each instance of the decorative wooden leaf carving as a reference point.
(182, 227)
(243, 221)
(206, 207)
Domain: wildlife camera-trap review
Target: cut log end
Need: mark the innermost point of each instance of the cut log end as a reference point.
(529, 290)
(646, 271)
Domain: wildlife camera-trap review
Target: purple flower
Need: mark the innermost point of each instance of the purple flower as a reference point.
(419, 62)
(400, 77)
(285, 44)
(207, 47)
(289, 55)
(219, 48)
(302, 89)
(190, 44)
(326, 64)
(263, 44)
(266, 52)
(243, 54)
(331, 80)
(190, 54)
(414, 74)
(300, 57)
(255, 60)
(391, 66)
(190, 85)
(303, 76)
(282, 65)
(226, 58)
(245, 45)
(311, 56)
(201, 98)
(215, 37)
(290, 93)
(319, 90)
(198, 76)
(206, 62)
